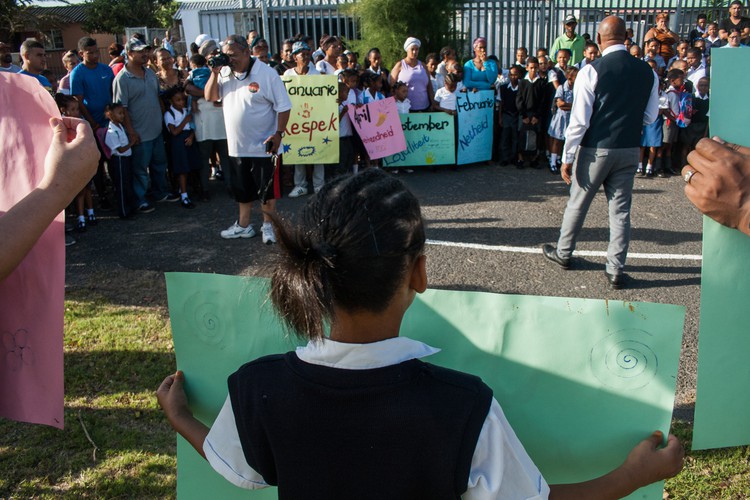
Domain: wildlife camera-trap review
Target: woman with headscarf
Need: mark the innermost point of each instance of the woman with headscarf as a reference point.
(413, 73)
(667, 38)
(480, 73)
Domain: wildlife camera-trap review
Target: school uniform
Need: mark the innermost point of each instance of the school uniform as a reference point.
(184, 158)
(120, 169)
(395, 427)
(559, 122)
(509, 133)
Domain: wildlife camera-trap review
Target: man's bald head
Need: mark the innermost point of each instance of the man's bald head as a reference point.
(611, 31)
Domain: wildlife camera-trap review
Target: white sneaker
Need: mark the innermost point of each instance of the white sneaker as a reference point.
(297, 192)
(237, 231)
(266, 231)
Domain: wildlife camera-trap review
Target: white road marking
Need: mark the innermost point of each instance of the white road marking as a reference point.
(582, 253)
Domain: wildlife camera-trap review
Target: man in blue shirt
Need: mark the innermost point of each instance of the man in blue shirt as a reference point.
(91, 84)
(34, 61)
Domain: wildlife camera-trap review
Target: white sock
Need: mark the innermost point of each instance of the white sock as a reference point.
(355, 169)
(640, 165)
(81, 218)
(649, 168)
(553, 159)
(267, 224)
(89, 211)
(183, 196)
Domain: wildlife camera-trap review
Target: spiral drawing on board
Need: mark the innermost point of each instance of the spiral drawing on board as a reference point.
(207, 316)
(624, 360)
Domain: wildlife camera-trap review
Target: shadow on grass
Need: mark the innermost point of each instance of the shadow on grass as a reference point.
(134, 456)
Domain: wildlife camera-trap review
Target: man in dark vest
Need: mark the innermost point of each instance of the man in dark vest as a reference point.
(613, 98)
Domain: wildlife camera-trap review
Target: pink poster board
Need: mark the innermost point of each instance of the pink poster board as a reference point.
(32, 296)
(379, 127)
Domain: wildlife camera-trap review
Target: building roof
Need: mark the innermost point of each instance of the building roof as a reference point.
(207, 5)
(67, 13)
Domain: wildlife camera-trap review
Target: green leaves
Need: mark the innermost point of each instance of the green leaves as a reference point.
(386, 24)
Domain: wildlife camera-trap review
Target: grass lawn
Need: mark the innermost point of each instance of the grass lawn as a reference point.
(116, 444)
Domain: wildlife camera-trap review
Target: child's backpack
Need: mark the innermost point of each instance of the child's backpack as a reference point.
(101, 134)
(685, 100)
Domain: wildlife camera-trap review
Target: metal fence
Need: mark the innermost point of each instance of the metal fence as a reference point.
(509, 24)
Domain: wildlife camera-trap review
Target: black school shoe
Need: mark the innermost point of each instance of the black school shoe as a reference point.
(550, 253)
(186, 203)
(616, 281)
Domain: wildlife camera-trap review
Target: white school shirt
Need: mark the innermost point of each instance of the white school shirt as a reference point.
(176, 117)
(446, 99)
(696, 74)
(311, 70)
(583, 105)
(500, 467)
(251, 108)
(345, 124)
(404, 106)
(116, 138)
(325, 67)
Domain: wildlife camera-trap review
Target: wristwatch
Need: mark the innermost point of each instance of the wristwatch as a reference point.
(281, 133)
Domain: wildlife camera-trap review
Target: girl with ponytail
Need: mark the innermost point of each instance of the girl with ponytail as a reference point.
(356, 414)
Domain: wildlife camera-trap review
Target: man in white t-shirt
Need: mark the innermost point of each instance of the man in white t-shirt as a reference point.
(256, 110)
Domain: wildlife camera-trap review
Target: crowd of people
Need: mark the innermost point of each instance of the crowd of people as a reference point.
(163, 138)
(354, 260)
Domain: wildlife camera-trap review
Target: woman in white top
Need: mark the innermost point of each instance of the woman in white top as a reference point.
(332, 47)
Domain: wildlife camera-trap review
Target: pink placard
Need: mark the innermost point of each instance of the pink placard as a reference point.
(379, 127)
(32, 296)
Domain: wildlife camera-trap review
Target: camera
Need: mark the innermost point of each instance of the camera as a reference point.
(269, 147)
(218, 61)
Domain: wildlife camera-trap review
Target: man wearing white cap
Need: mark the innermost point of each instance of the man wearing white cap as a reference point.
(256, 111)
(569, 40)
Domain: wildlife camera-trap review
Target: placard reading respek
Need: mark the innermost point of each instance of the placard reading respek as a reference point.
(581, 381)
(722, 400)
(312, 132)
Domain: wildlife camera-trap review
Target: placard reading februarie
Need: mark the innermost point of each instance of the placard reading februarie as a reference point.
(475, 125)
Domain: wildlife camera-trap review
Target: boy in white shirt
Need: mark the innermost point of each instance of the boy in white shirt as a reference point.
(119, 164)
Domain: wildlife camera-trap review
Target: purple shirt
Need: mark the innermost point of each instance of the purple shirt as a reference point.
(416, 79)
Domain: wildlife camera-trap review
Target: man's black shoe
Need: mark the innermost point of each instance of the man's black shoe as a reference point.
(616, 281)
(550, 253)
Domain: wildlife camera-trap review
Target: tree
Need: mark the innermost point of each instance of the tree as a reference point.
(386, 24)
(20, 15)
(113, 16)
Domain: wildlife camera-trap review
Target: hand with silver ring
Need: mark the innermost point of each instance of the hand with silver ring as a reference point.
(717, 181)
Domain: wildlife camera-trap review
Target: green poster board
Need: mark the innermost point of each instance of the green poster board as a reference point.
(581, 381)
(722, 403)
(430, 140)
(312, 132)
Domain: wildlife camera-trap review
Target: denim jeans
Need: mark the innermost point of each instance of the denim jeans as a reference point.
(150, 157)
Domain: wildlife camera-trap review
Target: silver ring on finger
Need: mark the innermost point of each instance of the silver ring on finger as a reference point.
(689, 175)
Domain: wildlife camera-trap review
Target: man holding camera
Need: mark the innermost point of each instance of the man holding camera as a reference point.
(256, 110)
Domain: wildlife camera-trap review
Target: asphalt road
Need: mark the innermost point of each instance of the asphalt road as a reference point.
(492, 221)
